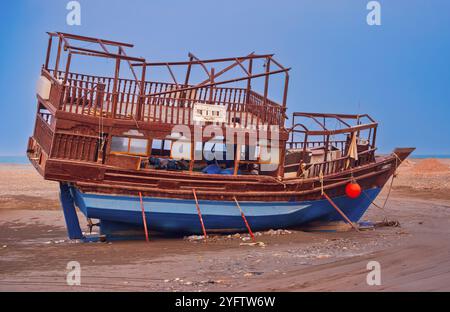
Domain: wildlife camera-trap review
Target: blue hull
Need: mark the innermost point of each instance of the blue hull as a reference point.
(122, 215)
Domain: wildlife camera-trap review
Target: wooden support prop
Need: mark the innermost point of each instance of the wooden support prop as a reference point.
(199, 213)
(143, 217)
(245, 219)
(340, 211)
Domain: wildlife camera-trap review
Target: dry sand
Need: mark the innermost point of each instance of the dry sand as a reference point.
(34, 251)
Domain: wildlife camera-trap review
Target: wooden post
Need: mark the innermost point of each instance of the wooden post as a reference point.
(327, 142)
(186, 81)
(286, 86)
(266, 82)
(49, 48)
(292, 131)
(141, 101)
(58, 57)
(211, 88)
(69, 60)
(115, 85)
(188, 72)
(237, 159)
(374, 137)
(191, 163)
(64, 86)
(282, 155)
(249, 81)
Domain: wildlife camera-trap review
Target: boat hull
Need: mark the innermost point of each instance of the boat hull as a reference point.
(122, 215)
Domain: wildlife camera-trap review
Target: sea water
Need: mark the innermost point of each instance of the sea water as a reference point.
(20, 160)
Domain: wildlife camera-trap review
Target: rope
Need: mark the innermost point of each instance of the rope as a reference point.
(389, 190)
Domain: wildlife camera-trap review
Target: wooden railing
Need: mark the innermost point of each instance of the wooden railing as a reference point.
(335, 165)
(340, 144)
(75, 147)
(43, 134)
(94, 95)
(339, 164)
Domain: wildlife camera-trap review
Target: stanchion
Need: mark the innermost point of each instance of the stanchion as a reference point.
(144, 219)
(199, 213)
(245, 219)
(339, 210)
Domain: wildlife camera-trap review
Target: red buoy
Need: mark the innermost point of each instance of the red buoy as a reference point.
(353, 190)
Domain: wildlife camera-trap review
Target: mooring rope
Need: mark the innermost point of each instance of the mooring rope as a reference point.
(394, 175)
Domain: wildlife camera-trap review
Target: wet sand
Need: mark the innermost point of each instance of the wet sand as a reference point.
(34, 251)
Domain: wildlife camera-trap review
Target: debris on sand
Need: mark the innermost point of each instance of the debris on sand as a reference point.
(241, 236)
(259, 244)
(193, 238)
(391, 223)
(277, 232)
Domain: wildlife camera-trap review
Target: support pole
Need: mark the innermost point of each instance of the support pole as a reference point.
(70, 213)
(199, 213)
(144, 219)
(245, 219)
(340, 211)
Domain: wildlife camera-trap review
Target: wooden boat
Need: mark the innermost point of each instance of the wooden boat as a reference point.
(110, 142)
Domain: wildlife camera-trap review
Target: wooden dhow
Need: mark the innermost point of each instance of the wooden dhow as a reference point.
(113, 145)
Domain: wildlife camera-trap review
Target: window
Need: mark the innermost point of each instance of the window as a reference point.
(127, 145)
(138, 146)
(161, 147)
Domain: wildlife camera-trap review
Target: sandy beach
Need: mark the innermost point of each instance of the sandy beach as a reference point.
(415, 256)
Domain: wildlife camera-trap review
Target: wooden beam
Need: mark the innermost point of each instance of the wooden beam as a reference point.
(90, 39)
(197, 62)
(340, 211)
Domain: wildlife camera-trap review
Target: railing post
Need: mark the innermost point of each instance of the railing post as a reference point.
(141, 100)
(49, 48)
(266, 82)
(58, 57)
(327, 142)
(211, 88)
(100, 96)
(374, 137)
(186, 82)
(283, 112)
(115, 91)
(64, 85)
(249, 81)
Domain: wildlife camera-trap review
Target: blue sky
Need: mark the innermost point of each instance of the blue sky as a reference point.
(398, 72)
